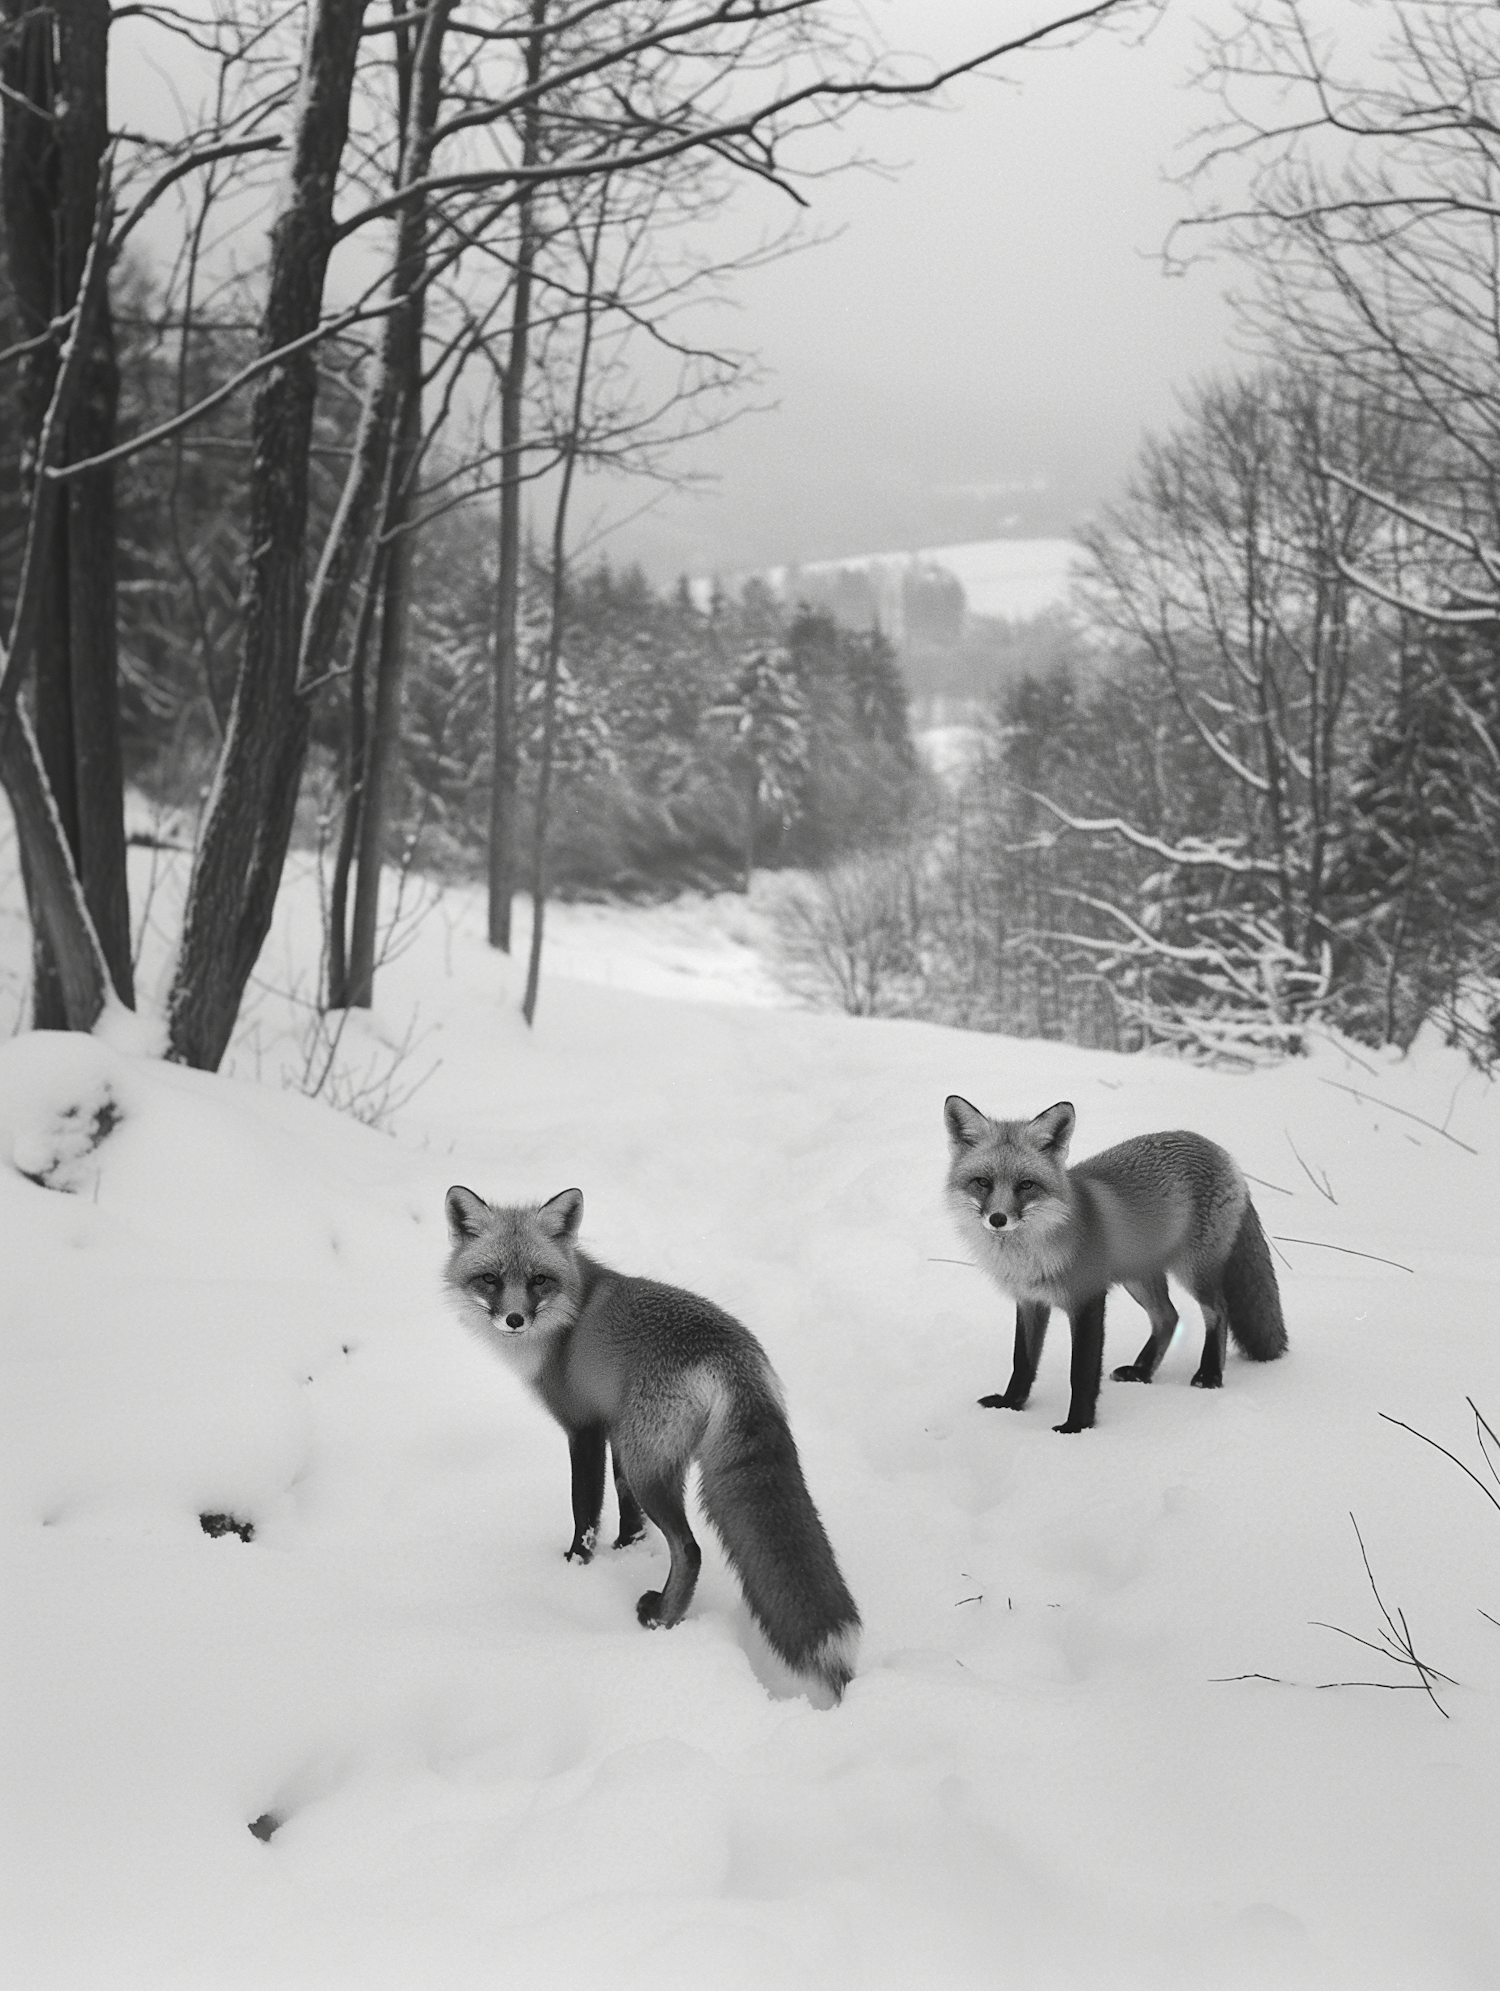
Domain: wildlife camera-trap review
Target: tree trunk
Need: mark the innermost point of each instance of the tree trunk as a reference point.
(401, 364)
(540, 815)
(504, 854)
(52, 886)
(752, 814)
(248, 824)
(384, 731)
(354, 787)
(54, 163)
(571, 443)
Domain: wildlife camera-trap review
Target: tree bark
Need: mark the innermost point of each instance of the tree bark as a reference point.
(401, 364)
(354, 782)
(504, 851)
(248, 823)
(382, 737)
(559, 602)
(52, 886)
(54, 164)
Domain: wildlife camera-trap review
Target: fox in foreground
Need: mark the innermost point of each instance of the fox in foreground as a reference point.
(1050, 1236)
(662, 1377)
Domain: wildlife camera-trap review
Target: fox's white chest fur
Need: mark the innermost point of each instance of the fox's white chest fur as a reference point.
(525, 1352)
(1027, 1259)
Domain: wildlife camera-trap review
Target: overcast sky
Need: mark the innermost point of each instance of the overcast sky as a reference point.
(979, 350)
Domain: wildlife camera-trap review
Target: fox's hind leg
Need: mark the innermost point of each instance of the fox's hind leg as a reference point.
(1152, 1295)
(586, 1447)
(632, 1521)
(1031, 1331)
(1210, 1374)
(661, 1497)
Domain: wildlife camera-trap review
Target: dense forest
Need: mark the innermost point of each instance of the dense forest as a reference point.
(289, 536)
(1254, 789)
(1250, 787)
(404, 268)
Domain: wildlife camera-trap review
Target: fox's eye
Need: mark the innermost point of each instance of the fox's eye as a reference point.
(1026, 1187)
(980, 1186)
(489, 1280)
(542, 1283)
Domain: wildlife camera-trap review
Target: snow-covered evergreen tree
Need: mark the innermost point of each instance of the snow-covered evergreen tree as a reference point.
(1417, 885)
(766, 712)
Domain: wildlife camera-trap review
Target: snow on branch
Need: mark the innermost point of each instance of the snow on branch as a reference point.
(1191, 852)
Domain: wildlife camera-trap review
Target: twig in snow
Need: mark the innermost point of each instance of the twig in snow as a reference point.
(1393, 1642)
(1324, 1188)
(1340, 1046)
(1480, 1428)
(1348, 1251)
(1369, 1099)
(1261, 1183)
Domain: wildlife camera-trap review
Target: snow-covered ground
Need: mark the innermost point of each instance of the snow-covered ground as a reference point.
(1012, 578)
(1092, 1741)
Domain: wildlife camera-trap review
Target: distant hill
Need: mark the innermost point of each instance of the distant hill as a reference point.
(965, 619)
(1014, 579)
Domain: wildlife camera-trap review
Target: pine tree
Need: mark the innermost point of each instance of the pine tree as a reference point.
(877, 690)
(1415, 894)
(768, 721)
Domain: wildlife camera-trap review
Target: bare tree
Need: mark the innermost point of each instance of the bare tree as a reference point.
(506, 774)
(1356, 167)
(246, 830)
(1228, 567)
(54, 174)
(647, 82)
(397, 388)
(570, 442)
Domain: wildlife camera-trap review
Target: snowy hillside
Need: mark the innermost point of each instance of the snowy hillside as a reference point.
(1086, 1746)
(1010, 578)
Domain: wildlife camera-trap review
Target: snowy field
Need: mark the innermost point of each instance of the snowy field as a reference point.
(1093, 1741)
(1014, 579)
(1011, 578)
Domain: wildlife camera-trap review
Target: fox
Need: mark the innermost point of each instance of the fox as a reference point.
(659, 1376)
(1050, 1235)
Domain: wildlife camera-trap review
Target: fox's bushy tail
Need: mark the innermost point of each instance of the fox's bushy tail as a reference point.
(1252, 1298)
(754, 1494)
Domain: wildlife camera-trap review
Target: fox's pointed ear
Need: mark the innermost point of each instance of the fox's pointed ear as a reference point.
(467, 1213)
(561, 1216)
(965, 1123)
(1053, 1129)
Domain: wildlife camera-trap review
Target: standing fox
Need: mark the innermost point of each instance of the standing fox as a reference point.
(663, 1377)
(1054, 1236)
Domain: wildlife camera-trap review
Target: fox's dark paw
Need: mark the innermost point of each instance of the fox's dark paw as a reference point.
(1072, 1425)
(648, 1610)
(582, 1550)
(1006, 1402)
(1130, 1372)
(1202, 1382)
(628, 1539)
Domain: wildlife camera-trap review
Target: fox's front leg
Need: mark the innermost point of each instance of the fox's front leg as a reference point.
(1031, 1330)
(586, 1448)
(1087, 1319)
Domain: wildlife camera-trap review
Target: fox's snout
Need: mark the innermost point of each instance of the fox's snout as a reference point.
(997, 1220)
(514, 1321)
